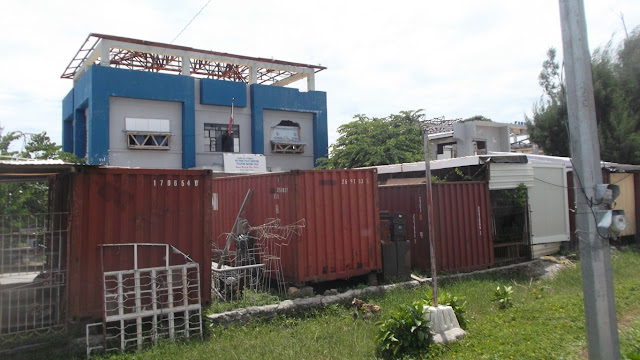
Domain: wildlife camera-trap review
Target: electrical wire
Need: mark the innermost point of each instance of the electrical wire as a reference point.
(189, 23)
(135, 82)
(590, 202)
(575, 187)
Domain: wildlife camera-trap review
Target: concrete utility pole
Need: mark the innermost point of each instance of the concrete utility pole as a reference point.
(432, 251)
(595, 252)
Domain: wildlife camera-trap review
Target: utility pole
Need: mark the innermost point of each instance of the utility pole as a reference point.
(432, 253)
(595, 252)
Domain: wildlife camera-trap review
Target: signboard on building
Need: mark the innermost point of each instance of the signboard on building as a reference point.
(245, 163)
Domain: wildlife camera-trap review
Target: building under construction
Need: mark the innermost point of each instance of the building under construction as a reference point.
(153, 105)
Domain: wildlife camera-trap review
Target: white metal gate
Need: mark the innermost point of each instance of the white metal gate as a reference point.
(142, 305)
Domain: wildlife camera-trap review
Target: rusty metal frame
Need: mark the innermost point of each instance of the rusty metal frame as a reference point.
(227, 67)
(439, 125)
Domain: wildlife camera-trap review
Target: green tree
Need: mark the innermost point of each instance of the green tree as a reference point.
(5, 142)
(547, 128)
(477, 118)
(41, 147)
(28, 197)
(616, 85)
(369, 141)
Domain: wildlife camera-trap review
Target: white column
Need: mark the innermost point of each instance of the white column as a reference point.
(253, 74)
(105, 48)
(311, 81)
(186, 66)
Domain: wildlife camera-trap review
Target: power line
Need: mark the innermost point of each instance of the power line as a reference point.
(189, 23)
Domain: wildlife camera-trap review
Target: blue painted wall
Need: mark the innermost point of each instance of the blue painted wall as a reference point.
(98, 84)
(264, 97)
(67, 122)
(220, 92)
(93, 90)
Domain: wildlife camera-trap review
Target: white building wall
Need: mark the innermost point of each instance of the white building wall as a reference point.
(495, 135)
(120, 155)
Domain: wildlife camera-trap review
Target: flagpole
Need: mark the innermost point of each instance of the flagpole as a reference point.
(230, 129)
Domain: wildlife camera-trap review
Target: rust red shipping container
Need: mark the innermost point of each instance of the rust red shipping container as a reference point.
(340, 207)
(462, 221)
(121, 205)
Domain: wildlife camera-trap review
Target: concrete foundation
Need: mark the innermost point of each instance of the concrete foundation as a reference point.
(443, 324)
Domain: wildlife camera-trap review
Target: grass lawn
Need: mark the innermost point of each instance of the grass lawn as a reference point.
(547, 322)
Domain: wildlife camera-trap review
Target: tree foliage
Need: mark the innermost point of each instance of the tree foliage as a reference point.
(369, 141)
(616, 86)
(477, 118)
(28, 197)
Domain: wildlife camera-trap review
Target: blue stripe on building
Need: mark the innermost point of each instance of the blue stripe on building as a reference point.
(93, 90)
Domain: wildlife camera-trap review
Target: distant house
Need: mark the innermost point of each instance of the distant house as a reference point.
(144, 104)
(469, 138)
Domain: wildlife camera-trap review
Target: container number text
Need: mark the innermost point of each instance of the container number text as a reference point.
(174, 183)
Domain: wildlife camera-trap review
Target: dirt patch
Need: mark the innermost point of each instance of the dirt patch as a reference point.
(547, 267)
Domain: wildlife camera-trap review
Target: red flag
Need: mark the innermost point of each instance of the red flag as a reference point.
(229, 130)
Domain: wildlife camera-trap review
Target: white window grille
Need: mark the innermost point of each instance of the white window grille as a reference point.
(152, 134)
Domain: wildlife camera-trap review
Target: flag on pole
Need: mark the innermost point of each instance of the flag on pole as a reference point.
(229, 130)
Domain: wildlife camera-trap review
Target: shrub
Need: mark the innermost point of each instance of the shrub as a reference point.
(406, 331)
(503, 296)
(457, 303)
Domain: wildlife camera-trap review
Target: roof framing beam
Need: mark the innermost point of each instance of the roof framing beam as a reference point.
(143, 55)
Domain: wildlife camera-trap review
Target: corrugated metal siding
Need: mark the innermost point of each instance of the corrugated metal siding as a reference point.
(462, 218)
(117, 206)
(510, 175)
(411, 201)
(340, 208)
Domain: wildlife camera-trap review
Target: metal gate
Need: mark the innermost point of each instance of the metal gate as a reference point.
(510, 220)
(151, 291)
(32, 274)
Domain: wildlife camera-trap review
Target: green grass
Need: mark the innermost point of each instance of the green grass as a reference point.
(248, 298)
(546, 322)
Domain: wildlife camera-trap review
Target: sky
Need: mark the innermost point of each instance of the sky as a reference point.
(454, 59)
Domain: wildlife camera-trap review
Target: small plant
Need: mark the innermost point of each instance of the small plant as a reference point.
(457, 303)
(405, 332)
(503, 296)
(539, 292)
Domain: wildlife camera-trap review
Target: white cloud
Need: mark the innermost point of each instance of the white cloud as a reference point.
(456, 59)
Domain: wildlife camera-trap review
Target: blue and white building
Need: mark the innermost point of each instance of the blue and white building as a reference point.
(144, 104)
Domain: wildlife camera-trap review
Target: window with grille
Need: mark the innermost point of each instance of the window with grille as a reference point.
(153, 134)
(218, 139)
(285, 138)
